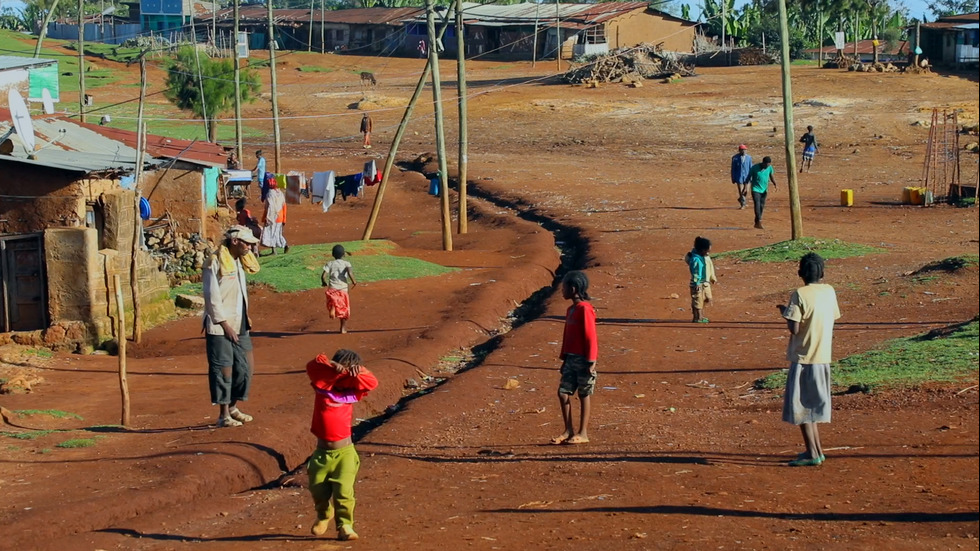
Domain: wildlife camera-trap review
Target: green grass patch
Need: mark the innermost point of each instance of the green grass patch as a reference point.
(300, 269)
(77, 443)
(194, 289)
(793, 250)
(315, 69)
(40, 352)
(944, 355)
(29, 435)
(56, 413)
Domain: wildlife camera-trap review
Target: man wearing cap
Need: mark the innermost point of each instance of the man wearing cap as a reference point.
(741, 164)
(226, 324)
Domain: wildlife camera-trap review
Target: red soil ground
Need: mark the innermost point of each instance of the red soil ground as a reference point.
(684, 453)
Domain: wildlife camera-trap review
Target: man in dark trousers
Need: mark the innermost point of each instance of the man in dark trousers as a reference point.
(760, 175)
(741, 164)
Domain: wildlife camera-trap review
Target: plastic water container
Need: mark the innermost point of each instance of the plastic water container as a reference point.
(434, 186)
(846, 197)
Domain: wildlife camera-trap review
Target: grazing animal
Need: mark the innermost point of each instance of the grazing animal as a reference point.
(367, 77)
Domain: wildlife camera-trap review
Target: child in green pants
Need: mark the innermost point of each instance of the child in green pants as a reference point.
(332, 469)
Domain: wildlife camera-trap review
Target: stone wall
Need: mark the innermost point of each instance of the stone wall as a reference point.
(178, 190)
(35, 198)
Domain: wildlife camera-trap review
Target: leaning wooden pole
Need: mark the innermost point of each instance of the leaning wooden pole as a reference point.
(275, 90)
(121, 340)
(395, 142)
(447, 235)
(138, 222)
(43, 31)
(788, 135)
(238, 86)
(81, 60)
(461, 219)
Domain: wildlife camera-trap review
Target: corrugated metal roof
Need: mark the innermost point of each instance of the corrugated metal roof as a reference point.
(570, 15)
(8, 62)
(82, 162)
(951, 21)
(972, 16)
(70, 135)
(207, 153)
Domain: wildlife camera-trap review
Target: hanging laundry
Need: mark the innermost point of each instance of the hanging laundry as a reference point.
(370, 172)
(320, 184)
(329, 192)
(295, 181)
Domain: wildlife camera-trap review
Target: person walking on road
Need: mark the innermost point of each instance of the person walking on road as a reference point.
(810, 147)
(760, 176)
(741, 164)
(227, 325)
(367, 125)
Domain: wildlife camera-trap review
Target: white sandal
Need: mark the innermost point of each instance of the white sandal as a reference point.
(228, 422)
(239, 415)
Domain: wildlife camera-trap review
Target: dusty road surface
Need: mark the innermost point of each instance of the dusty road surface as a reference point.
(685, 454)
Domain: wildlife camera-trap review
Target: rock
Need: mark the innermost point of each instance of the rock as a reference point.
(924, 124)
(972, 146)
(636, 84)
(54, 334)
(511, 384)
(411, 383)
(189, 301)
(751, 123)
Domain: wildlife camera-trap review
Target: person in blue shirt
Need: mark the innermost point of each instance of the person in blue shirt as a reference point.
(259, 172)
(741, 164)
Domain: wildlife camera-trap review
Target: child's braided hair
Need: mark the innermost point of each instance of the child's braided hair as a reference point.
(347, 358)
(578, 282)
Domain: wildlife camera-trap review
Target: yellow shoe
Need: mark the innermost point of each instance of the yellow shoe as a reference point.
(346, 533)
(319, 527)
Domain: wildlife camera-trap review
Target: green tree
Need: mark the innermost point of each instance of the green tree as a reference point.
(940, 8)
(185, 87)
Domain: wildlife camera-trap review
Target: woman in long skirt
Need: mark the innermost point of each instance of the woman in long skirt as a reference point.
(274, 219)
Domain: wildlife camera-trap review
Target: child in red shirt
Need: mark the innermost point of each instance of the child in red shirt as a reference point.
(332, 469)
(579, 349)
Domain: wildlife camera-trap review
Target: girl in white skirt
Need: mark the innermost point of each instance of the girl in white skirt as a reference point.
(810, 317)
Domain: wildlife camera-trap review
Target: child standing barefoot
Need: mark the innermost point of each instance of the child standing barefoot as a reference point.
(810, 317)
(579, 349)
(702, 276)
(334, 464)
(337, 277)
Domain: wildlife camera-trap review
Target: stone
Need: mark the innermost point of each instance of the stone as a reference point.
(54, 334)
(189, 301)
(972, 146)
(751, 123)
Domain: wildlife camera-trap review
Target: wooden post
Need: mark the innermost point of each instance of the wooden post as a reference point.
(275, 100)
(81, 61)
(138, 225)
(238, 85)
(200, 81)
(121, 340)
(395, 142)
(788, 135)
(558, 33)
(44, 28)
(534, 48)
(309, 41)
(323, 32)
(447, 236)
(917, 47)
(461, 220)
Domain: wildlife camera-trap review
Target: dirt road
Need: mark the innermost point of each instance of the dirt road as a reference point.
(685, 454)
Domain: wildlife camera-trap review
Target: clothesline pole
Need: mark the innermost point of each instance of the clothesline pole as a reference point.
(395, 142)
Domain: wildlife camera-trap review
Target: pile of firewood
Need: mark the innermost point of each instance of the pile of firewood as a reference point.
(628, 65)
(753, 56)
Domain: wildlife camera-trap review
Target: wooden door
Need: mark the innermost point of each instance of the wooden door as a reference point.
(22, 295)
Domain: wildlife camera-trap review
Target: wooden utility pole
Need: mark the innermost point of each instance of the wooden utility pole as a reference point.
(238, 87)
(275, 90)
(138, 192)
(200, 81)
(430, 19)
(395, 142)
(534, 47)
(788, 136)
(463, 131)
(323, 32)
(121, 342)
(309, 41)
(917, 47)
(558, 33)
(81, 61)
(44, 28)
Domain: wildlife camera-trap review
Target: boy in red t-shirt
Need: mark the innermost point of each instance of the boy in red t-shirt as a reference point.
(579, 349)
(338, 382)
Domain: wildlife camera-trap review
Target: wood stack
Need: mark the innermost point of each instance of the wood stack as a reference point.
(753, 56)
(628, 65)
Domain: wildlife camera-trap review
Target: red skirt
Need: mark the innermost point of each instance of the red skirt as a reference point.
(338, 303)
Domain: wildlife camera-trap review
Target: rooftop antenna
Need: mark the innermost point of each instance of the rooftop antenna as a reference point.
(47, 101)
(22, 121)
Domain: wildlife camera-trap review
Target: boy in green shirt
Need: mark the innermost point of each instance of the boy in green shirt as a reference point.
(760, 176)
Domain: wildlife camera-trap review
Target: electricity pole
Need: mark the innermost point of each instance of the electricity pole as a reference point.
(463, 131)
(238, 88)
(794, 192)
(430, 19)
(81, 61)
(275, 101)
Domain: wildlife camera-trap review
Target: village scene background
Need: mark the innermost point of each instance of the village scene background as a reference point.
(597, 137)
